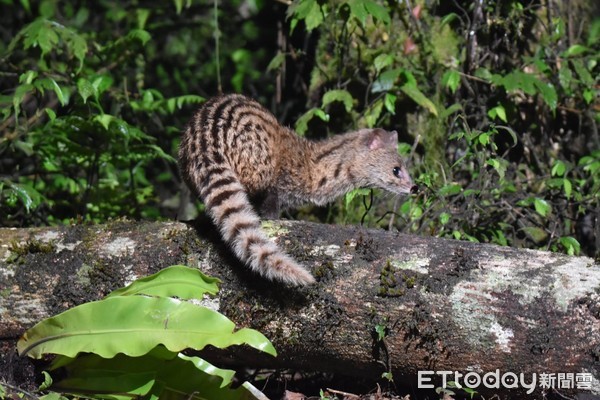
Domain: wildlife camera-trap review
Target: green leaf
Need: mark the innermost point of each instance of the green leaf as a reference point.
(102, 83)
(418, 97)
(353, 193)
(548, 93)
(448, 18)
(276, 62)
(536, 234)
(28, 196)
(86, 89)
(570, 244)
(314, 15)
(451, 80)
(386, 80)
(19, 95)
(567, 187)
(302, 122)
(559, 168)
(141, 35)
(500, 166)
(358, 11)
(456, 107)
(377, 11)
(339, 95)
(389, 101)
(380, 330)
(498, 112)
(575, 50)
(177, 280)
(134, 325)
(450, 189)
(160, 373)
(382, 61)
(104, 120)
(583, 73)
(444, 218)
(541, 206)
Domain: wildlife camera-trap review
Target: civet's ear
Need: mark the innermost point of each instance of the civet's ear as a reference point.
(379, 138)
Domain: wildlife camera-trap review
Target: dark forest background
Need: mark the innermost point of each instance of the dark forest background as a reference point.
(496, 103)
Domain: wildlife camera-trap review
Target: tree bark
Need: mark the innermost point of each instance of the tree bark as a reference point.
(442, 305)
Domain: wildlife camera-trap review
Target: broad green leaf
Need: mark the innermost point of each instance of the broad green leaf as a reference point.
(484, 138)
(142, 15)
(450, 189)
(548, 93)
(358, 11)
(28, 77)
(51, 113)
(451, 110)
(448, 18)
(386, 80)
(104, 120)
(339, 95)
(372, 113)
(567, 187)
(382, 61)
(314, 16)
(559, 168)
(302, 122)
(141, 35)
(19, 95)
(27, 195)
(102, 83)
(134, 325)
(276, 62)
(353, 193)
(583, 73)
(575, 50)
(177, 280)
(164, 377)
(541, 206)
(389, 102)
(451, 80)
(498, 112)
(536, 234)
(444, 218)
(500, 165)
(377, 11)
(86, 89)
(418, 97)
(571, 245)
(77, 46)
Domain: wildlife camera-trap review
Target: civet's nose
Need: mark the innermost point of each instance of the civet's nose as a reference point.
(414, 189)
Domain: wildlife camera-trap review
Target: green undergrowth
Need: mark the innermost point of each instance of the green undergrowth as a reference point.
(130, 344)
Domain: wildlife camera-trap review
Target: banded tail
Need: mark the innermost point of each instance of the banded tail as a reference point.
(229, 207)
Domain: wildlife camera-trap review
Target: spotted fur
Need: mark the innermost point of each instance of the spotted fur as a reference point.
(234, 153)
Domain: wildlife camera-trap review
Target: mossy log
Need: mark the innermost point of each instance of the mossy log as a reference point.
(440, 305)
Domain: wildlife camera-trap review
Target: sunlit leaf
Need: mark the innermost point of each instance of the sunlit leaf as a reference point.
(134, 325)
(177, 280)
(541, 206)
(339, 95)
(418, 97)
(451, 80)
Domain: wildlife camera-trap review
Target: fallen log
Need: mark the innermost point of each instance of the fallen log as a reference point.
(421, 309)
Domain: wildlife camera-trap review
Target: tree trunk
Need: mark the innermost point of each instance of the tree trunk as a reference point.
(440, 305)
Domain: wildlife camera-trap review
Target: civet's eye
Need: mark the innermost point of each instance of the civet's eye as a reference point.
(396, 172)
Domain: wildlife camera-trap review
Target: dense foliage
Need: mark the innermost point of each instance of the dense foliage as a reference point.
(497, 103)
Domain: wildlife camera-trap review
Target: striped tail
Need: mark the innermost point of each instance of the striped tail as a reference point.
(228, 205)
